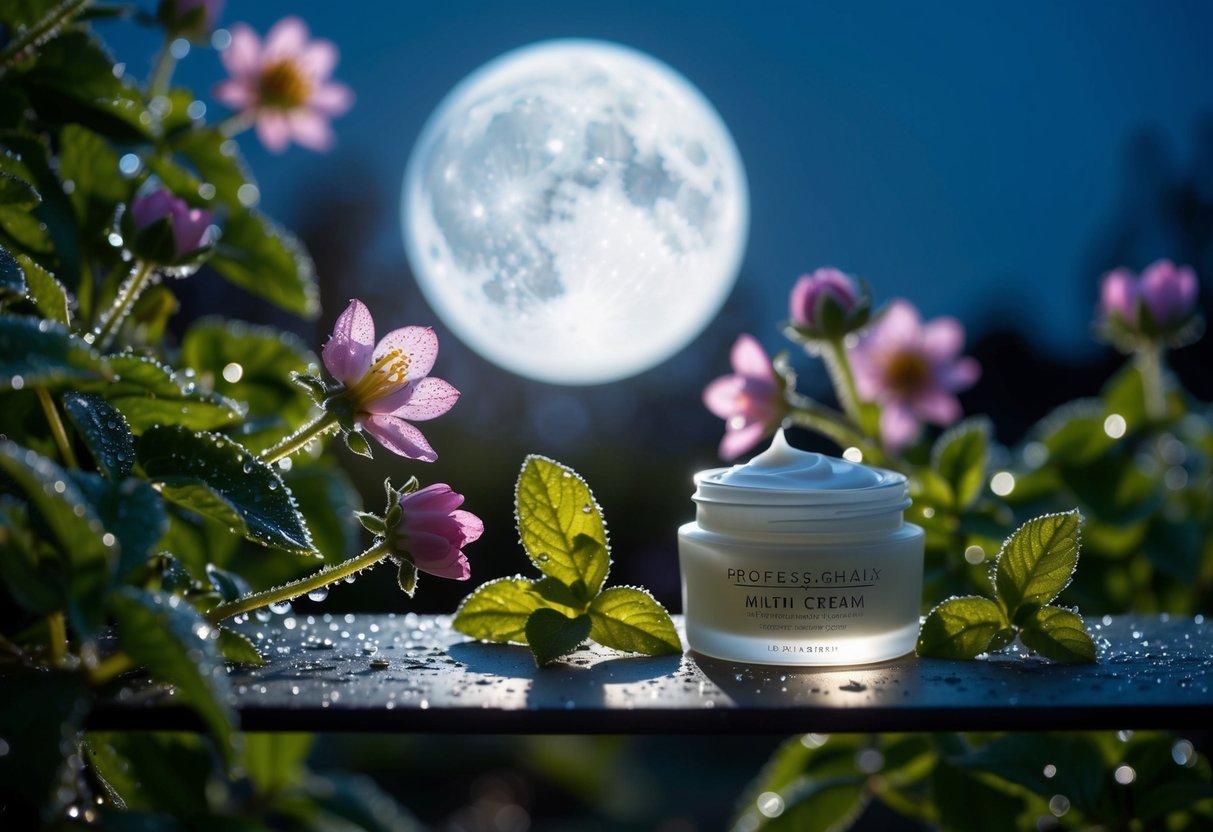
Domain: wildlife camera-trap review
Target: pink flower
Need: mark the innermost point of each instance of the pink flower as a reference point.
(433, 531)
(388, 383)
(188, 224)
(913, 371)
(813, 291)
(750, 399)
(283, 86)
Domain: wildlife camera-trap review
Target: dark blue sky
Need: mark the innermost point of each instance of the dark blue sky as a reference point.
(971, 157)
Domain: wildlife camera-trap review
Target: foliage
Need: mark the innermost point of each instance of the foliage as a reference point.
(564, 535)
(988, 781)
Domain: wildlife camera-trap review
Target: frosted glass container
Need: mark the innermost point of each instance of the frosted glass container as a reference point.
(797, 558)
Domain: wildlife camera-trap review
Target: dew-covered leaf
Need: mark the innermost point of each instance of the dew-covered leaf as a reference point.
(131, 511)
(1037, 561)
(1058, 634)
(498, 610)
(551, 634)
(40, 353)
(49, 296)
(1074, 434)
(150, 393)
(12, 277)
(1076, 762)
(631, 620)
(227, 585)
(561, 525)
(87, 161)
(168, 637)
(105, 432)
(215, 476)
(238, 648)
(960, 628)
(267, 261)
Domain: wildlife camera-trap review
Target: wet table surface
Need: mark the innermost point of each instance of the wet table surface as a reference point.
(412, 673)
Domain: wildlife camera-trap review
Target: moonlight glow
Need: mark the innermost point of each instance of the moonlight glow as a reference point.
(575, 211)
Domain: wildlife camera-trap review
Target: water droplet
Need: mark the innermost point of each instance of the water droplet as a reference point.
(263, 615)
(318, 594)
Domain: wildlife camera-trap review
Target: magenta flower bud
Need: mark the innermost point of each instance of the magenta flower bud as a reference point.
(433, 531)
(1159, 306)
(827, 304)
(1169, 293)
(187, 225)
(193, 19)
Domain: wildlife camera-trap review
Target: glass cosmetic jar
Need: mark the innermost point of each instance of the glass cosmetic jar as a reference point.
(796, 558)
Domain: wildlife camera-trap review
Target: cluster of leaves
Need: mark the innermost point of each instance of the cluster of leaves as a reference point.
(563, 534)
(1007, 781)
(1034, 566)
(133, 485)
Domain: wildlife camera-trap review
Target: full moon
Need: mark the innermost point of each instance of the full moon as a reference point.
(575, 211)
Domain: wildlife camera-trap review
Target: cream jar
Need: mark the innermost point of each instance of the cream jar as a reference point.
(796, 558)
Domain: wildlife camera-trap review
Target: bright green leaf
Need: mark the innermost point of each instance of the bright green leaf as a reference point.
(561, 525)
(276, 761)
(169, 638)
(49, 296)
(1037, 561)
(1077, 765)
(239, 649)
(817, 805)
(498, 610)
(631, 620)
(1073, 434)
(18, 193)
(215, 476)
(150, 393)
(36, 353)
(105, 432)
(551, 634)
(961, 456)
(91, 166)
(216, 159)
(960, 628)
(1058, 634)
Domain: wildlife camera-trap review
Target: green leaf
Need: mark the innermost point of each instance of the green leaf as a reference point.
(267, 261)
(961, 456)
(12, 277)
(406, 576)
(75, 524)
(18, 193)
(228, 585)
(1074, 433)
(630, 619)
(239, 649)
(967, 802)
(960, 628)
(498, 610)
(330, 502)
(1037, 561)
(817, 805)
(1058, 634)
(561, 525)
(214, 476)
(132, 512)
(569, 600)
(551, 634)
(88, 167)
(171, 640)
(49, 296)
(37, 353)
(253, 365)
(150, 393)
(105, 433)
(1078, 768)
(217, 160)
(276, 761)
(36, 584)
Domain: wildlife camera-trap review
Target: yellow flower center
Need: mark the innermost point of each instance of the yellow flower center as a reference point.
(388, 374)
(906, 372)
(284, 86)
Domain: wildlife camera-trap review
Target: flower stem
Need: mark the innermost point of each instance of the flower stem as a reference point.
(128, 293)
(58, 637)
(318, 427)
(317, 580)
(29, 39)
(57, 429)
(109, 668)
(162, 72)
(1149, 364)
(839, 367)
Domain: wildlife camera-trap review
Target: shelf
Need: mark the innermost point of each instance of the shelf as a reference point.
(409, 673)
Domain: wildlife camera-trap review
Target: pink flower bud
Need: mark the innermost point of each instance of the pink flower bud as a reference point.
(809, 290)
(433, 531)
(189, 224)
(1169, 293)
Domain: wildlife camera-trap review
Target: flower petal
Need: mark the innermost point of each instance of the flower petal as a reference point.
(960, 375)
(311, 129)
(273, 130)
(900, 324)
(331, 99)
(243, 54)
(234, 92)
(418, 400)
(936, 406)
(438, 497)
(942, 339)
(285, 39)
(471, 525)
(399, 437)
(720, 396)
(750, 359)
(318, 58)
(898, 427)
(737, 442)
(456, 567)
(419, 343)
(347, 354)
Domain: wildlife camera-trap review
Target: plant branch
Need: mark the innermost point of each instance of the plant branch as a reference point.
(317, 580)
(839, 367)
(57, 428)
(162, 70)
(323, 424)
(128, 293)
(58, 638)
(42, 31)
(1149, 364)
